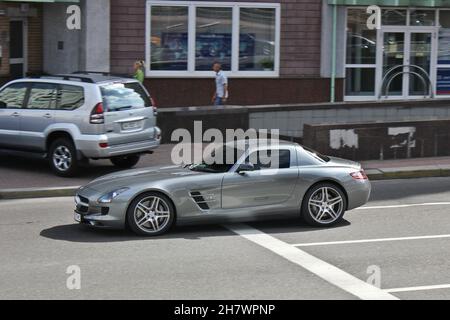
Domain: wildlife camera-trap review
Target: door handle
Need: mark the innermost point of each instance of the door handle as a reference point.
(47, 115)
(15, 114)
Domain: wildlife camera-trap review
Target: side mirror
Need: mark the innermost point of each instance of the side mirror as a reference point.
(3, 105)
(245, 167)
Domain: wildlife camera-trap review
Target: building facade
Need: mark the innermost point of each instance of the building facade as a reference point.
(274, 52)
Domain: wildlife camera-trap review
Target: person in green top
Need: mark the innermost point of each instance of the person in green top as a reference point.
(139, 71)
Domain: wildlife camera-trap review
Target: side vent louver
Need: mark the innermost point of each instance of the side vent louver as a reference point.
(199, 200)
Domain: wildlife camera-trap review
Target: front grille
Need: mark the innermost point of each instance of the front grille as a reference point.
(82, 209)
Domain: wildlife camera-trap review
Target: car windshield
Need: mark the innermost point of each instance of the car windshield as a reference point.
(123, 96)
(220, 160)
(316, 154)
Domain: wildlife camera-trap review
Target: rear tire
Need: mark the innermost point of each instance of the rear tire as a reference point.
(324, 205)
(125, 162)
(150, 214)
(63, 157)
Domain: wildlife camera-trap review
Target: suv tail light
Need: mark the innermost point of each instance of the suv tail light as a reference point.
(360, 175)
(97, 114)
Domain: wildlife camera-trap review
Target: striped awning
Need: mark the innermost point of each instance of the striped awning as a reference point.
(393, 3)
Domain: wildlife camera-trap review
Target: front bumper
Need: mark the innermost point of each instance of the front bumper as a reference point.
(89, 145)
(94, 214)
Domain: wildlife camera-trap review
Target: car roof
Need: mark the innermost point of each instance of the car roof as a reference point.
(261, 142)
(89, 77)
(81, 77)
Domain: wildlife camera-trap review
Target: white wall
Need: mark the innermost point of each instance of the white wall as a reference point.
(86, 49)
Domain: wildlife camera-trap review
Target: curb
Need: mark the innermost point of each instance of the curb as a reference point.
(408, 174)
(27, 193)
(374, 174)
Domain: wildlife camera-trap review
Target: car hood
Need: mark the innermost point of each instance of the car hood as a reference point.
(343, 163)
(132, 177)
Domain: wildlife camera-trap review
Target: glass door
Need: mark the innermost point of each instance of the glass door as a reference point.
(394, 57)
(405, 63)
(17, 48)
(420, 56)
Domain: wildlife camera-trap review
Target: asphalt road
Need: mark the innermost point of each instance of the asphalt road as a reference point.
(402, 235)
(24, 170)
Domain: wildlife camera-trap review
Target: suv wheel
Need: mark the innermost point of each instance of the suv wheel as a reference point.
(125, 162)
(62, 157)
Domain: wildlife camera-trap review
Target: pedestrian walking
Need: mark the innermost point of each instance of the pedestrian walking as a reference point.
(220, 96)
(139, 71)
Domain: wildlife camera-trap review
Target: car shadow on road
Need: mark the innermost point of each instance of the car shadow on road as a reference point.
(84, 234)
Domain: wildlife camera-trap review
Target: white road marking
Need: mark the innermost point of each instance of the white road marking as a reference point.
(405, 206)
(422, 288)
(323, 269)
(442, 236)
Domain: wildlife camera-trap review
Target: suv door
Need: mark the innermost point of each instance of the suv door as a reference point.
(11, 99)
(128, 113)
(267, 185)
(38, 115)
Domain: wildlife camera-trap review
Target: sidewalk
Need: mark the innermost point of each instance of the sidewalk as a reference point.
(31, 178)
(407, 168)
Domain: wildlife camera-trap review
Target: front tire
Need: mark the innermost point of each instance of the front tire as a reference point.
(150, 214)
(63, 157)
(125, 162)
(324, 205)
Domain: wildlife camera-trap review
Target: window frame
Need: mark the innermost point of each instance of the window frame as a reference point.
(28, 97)
(292, 164)
(58, 97)
(192, 9)
(25, 98)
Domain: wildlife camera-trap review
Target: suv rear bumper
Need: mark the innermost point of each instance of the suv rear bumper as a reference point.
(89, 146)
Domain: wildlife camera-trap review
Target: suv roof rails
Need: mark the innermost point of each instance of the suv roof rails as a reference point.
(93, 72)
(64, 77)
(101, 73)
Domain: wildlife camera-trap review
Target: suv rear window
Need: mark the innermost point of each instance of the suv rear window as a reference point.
(123, 96)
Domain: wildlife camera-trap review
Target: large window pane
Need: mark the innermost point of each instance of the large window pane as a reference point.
(257, 39)
(169, 38)
(444, 37)
(394, 17)
(423, 18)
(361, 42)
(443, 82)
(360, 82)
(213, 38)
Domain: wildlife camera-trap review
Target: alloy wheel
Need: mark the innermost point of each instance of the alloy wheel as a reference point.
(326, 205)
(62, 158)
(152, 214)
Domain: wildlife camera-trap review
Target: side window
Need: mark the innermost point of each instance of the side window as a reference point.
(13, 95)
(42, 96)
(263, 160)
(70, 97)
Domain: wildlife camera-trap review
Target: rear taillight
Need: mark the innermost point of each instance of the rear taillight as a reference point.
(97, 114)
(360, 175)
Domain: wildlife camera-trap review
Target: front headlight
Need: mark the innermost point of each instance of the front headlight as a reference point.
(108, 198)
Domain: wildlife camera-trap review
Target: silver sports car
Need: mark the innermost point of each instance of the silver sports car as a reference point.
(149, 201)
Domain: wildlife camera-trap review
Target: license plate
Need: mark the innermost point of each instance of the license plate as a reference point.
(131, 125)
(77, 217)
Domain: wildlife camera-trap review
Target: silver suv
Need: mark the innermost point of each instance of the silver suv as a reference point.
(72, 118)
